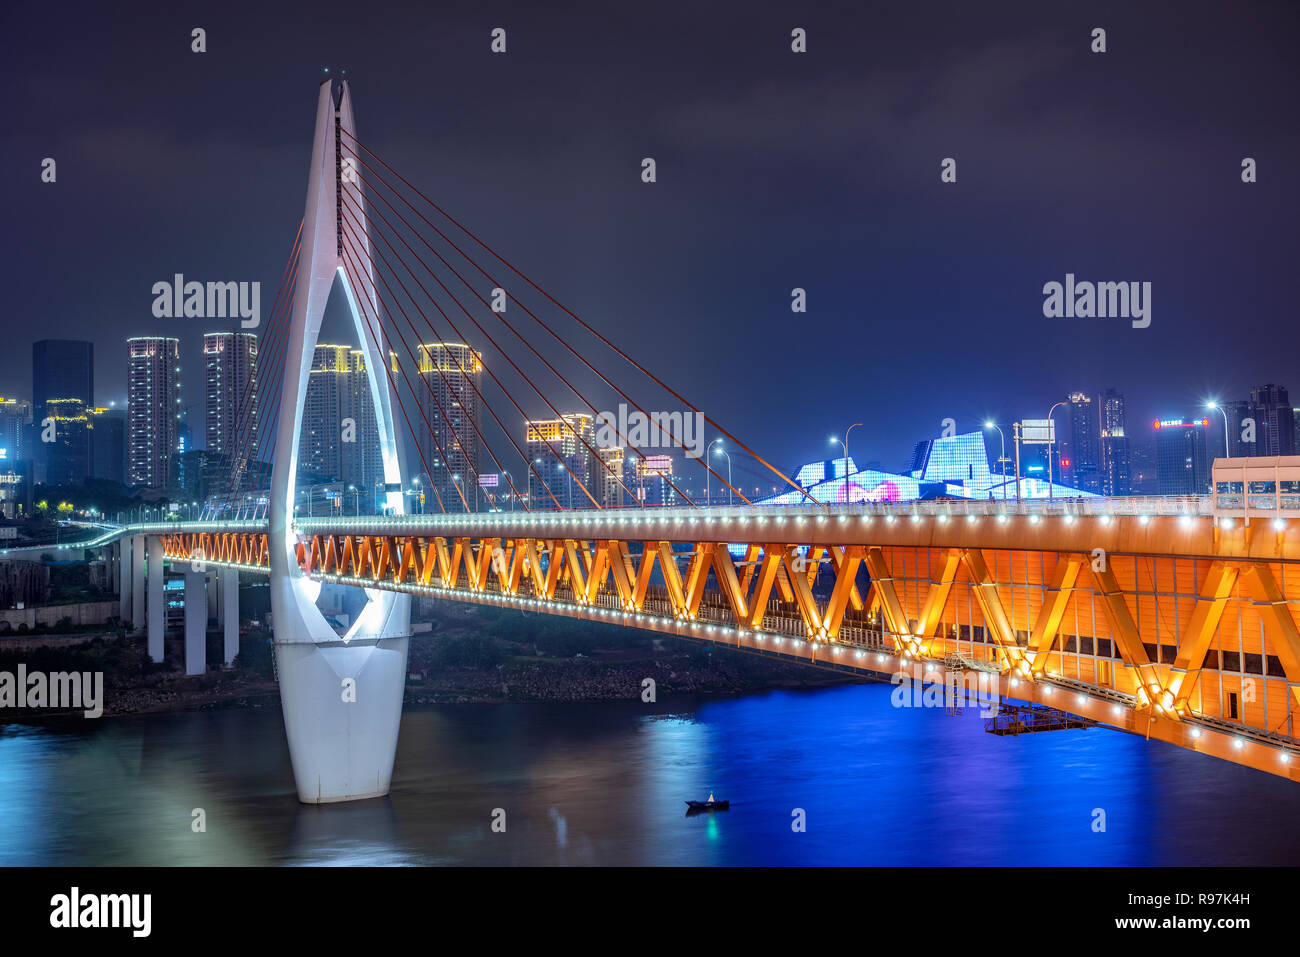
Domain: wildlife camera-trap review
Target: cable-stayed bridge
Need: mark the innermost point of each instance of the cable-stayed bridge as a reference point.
(1169, 618)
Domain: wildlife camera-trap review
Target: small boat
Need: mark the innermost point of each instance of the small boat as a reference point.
(712, 804)
(708, 805)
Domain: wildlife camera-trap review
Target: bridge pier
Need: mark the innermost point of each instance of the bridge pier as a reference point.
(124, 551)
(342, 708)
(230, 613)
(157, 608)
(214, 608)
(196, 622)
(137, 583)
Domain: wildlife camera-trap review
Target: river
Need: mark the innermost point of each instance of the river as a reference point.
(605, 783)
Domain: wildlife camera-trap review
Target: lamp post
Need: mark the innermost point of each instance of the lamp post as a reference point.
(568, 495)
(510, 485)
(845, 445)
(1222, 412)
(708, 474)
(723, 453)
(1015, 438)
(1051, 435)
(1002, 458)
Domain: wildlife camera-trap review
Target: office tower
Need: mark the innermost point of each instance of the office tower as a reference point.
(64, 434)
(320, 447)
(108, 444)
(1276, 420)
(340, 433)
(1116, 467)
(571, 437)
(362, 463)
(1242, 423)
(1182, 467)
(62, 369)
(450, 374)
(1085, 444)
(153, 409)
(15, 416)
(612, 493)
(230, 410)
(653, 475)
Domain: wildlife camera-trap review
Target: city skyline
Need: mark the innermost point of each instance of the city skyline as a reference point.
(1097, 462)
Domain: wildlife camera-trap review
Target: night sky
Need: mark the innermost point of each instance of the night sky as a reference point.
(775, 170)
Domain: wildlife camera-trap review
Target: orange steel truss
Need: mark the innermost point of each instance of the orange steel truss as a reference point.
(1187, 639)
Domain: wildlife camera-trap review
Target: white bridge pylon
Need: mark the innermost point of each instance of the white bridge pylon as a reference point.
(342, 697)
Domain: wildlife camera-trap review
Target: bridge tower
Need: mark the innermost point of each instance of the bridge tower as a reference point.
(342, 697)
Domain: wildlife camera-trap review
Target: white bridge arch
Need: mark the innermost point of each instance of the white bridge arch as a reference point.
(342, 697)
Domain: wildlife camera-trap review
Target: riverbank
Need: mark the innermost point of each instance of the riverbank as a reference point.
(467, 657)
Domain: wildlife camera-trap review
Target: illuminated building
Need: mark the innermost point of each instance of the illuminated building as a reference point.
(610, 472)
(231, 392)
(340, 434)
(1084, 471)
(153, 409)
(447, 396)
(1275, 420)
(1115, 463)
(654, 473)
(570, 437)
(1182, 465)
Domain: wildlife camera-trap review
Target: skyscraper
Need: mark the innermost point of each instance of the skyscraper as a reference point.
(1116, 468)
(63, 385)
(340, 433)
(610, 473)
(1182, 467)
(320, 446)
(153, 409)
(1276, 420)
(450, 374)
(108, 444)
(15, 415)
(62, 369)
(1242, 423)
(230, 391)
(363, 465)
(63, 457)
(1085, 444)
(569, 436)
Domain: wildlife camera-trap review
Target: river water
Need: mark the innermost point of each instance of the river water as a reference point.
(606, 782)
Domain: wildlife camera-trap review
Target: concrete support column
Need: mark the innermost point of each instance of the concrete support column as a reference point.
(157, 608)
(124, 550)
(137, 583)
(196, 622)
(230, 613)
(214, 609)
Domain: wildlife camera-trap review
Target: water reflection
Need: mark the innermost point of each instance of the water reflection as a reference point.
(605, 783)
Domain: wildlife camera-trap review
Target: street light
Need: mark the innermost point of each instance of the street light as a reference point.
(510, 485)
(723, 453)
(1051, 434)
(845, 444)
(1002, 458)
(708, 474)
(1222, 412)
(356, 499)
